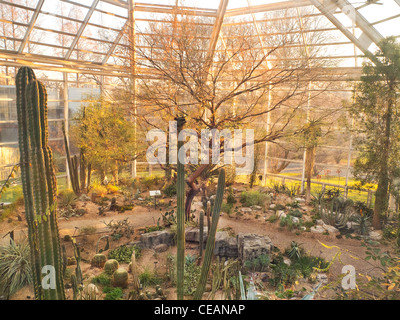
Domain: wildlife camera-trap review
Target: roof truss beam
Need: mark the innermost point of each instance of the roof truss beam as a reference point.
(360, 43)
(81, 29)
(31, 25)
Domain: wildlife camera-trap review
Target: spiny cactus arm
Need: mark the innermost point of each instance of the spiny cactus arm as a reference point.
(51, 193)
(211, 237)
(40, 190)
(201, 226)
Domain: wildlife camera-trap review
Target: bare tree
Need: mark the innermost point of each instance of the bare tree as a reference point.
(226, 89)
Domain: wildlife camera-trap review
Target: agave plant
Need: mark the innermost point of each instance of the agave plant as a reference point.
(15, 268)
(362, 224)
(338, 215)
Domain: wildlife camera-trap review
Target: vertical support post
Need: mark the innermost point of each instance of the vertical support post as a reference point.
(66, 121)
(349, 160)
(132, 37)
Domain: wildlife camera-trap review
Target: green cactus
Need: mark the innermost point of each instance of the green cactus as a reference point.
(211, 237)
(180, 217)
(39, 182)
(120, 278)
(110, 266)
(72, 165)
(201, 230)
(99, 260)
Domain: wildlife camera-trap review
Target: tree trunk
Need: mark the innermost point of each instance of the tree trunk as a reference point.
(309, 165)
(382, 191)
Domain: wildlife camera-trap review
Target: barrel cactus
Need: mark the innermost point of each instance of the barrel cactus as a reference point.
(99, 260)
(120, 278)
(110, 266)
(39, 185)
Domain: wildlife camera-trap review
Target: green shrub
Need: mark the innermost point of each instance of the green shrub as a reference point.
(149, 278)
(170, 190)
(252, 198)
(123, 254)
(259, 264)
(227, 208)
(230, 199)
(295, 213)
(191, 277)
(15, 268)
(102, 280)
(151, 181)
(113, 293)
(67, 198)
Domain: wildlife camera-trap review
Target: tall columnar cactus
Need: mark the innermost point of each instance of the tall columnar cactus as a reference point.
(211, 237)
(201, 230)
(39, 183)
(180, 218)
(72, 164)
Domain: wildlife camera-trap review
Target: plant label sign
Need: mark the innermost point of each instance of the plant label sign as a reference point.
(155, 193)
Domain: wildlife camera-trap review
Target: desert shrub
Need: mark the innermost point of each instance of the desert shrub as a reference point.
(113, 293)
(102, 279)
(67, 198)
(191, 276)
(170, 190)
(230, 199)
(8, 211)
(15, 268)
(112, 189)
(123, 254)
(151, 181)
(252, 198)
(295, 213)
(148, 278)
(273, 218)
(98, 189)
(259, 264)
(87, 230)
(227, 208)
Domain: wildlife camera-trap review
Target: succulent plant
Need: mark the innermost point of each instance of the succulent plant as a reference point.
(110, 266)
(39, 183)
(98, 260)
(120, 278)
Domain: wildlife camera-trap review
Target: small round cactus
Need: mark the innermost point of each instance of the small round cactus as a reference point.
(120, 278)
(99, 260)
(110, 266)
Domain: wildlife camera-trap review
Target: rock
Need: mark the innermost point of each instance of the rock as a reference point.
(256, 208)
(161, 248)
(300, 200)
(320, 222)
(251, 246)
(281, 214)
(272, 206)
(317, 229)
(375, 235)
(225, 245)
(193, 235)
(246, 210)
(330, 229)
(322, 277)
(84, 198)
(152, 239)
(295, 220)
(287, 261)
